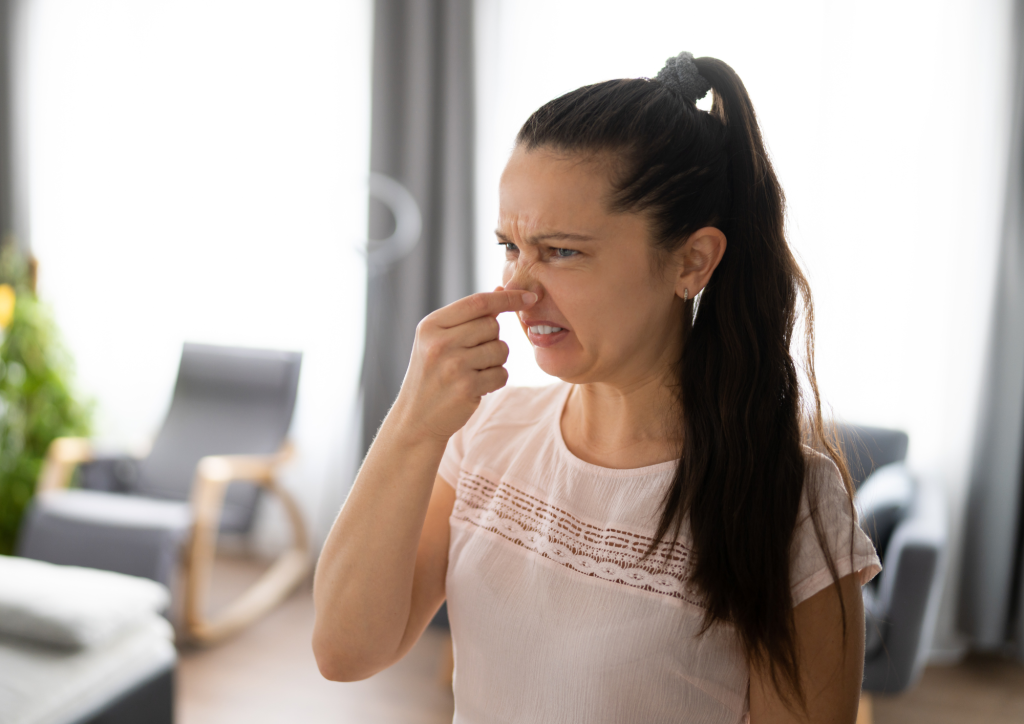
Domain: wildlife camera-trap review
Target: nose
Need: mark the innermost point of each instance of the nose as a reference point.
(519, 276)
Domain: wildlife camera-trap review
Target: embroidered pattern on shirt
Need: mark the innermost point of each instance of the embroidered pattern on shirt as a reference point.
(610, 554)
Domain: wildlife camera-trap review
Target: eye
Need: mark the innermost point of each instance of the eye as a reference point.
(565, 253)
(509, 246)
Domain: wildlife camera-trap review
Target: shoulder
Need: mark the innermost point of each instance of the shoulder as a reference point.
(826, 535)
(516, 407)
(824, 490)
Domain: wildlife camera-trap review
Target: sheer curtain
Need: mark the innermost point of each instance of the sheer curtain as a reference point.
(198, 172)
(888, 123)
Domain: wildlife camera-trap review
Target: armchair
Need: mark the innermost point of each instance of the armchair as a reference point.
(219, 448)
(906, 520)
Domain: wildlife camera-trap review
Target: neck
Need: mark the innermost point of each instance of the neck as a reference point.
(622, 427)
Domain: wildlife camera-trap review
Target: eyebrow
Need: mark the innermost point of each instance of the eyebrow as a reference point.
(556, 235)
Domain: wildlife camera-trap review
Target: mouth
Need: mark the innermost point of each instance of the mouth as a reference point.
(544, 333)
(544, 329)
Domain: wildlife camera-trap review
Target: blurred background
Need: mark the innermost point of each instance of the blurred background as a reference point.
(200, 171)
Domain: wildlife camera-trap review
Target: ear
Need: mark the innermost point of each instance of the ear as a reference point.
(697, 259)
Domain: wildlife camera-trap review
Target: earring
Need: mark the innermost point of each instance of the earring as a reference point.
(686, 295)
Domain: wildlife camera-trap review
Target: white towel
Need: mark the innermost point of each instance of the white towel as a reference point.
(71, 606)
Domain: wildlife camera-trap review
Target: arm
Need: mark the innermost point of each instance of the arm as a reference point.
(830, 672)
(381, 573)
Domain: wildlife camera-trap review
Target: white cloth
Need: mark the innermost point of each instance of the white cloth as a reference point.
(555, 618)
(71, 606)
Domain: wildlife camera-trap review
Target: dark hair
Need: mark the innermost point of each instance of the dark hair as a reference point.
(743, 421)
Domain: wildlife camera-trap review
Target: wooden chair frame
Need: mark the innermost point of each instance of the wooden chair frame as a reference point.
(213, 474)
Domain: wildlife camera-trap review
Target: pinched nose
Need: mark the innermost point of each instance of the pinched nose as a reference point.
(522, 279)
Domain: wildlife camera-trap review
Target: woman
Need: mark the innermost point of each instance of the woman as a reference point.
(667, 534)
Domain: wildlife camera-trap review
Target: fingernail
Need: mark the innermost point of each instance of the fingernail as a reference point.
(529, 297)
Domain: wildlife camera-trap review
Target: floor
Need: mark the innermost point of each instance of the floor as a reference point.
(978, 690)
(267, 675)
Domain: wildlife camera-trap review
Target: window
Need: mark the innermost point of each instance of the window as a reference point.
(198, 172)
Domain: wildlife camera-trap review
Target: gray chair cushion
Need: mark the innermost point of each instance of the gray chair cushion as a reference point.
(121, 474)
(111, 473)
(122, 533)
(905, 604)
(874, 624)
(868, 448)
(882, 501)
(227, 401)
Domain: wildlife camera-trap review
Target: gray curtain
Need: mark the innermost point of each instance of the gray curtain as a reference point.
(992, 584)
(6, 121)
(13, 186)
(421, 158)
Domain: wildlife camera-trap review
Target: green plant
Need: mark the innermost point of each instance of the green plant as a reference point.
(36, 402)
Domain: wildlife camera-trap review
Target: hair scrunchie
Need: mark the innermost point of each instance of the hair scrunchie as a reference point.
(681, 75)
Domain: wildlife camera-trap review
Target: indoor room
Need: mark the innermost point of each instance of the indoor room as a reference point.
(307, 414)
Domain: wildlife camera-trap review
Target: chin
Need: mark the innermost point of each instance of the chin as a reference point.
(558, 365)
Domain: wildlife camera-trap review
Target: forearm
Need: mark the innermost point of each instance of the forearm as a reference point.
(364, 579)
(372, 596)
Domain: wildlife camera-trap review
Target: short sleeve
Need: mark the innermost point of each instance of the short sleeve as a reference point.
(458, 444)
(851, 549)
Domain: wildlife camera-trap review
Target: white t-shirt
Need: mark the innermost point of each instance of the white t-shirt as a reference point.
(555, 618)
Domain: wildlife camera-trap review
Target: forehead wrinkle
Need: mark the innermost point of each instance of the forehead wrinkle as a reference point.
(522, 225)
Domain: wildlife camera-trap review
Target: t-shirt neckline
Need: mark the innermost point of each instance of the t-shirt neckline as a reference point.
(567, 454)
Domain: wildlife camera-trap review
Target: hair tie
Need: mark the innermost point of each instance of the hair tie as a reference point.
(681, 75)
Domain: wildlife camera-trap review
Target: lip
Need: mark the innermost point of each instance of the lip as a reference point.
(543, 340)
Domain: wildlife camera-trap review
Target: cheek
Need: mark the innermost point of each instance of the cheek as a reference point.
(507, 270)
(577, 300)
(615, 309)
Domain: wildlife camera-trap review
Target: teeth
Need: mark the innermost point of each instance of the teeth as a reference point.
(544, 329)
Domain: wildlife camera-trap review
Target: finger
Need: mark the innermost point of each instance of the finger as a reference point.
(491, 379)
(491, 354)
(476, 331)
(483, 304)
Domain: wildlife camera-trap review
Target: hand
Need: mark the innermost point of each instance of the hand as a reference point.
(456, 359)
